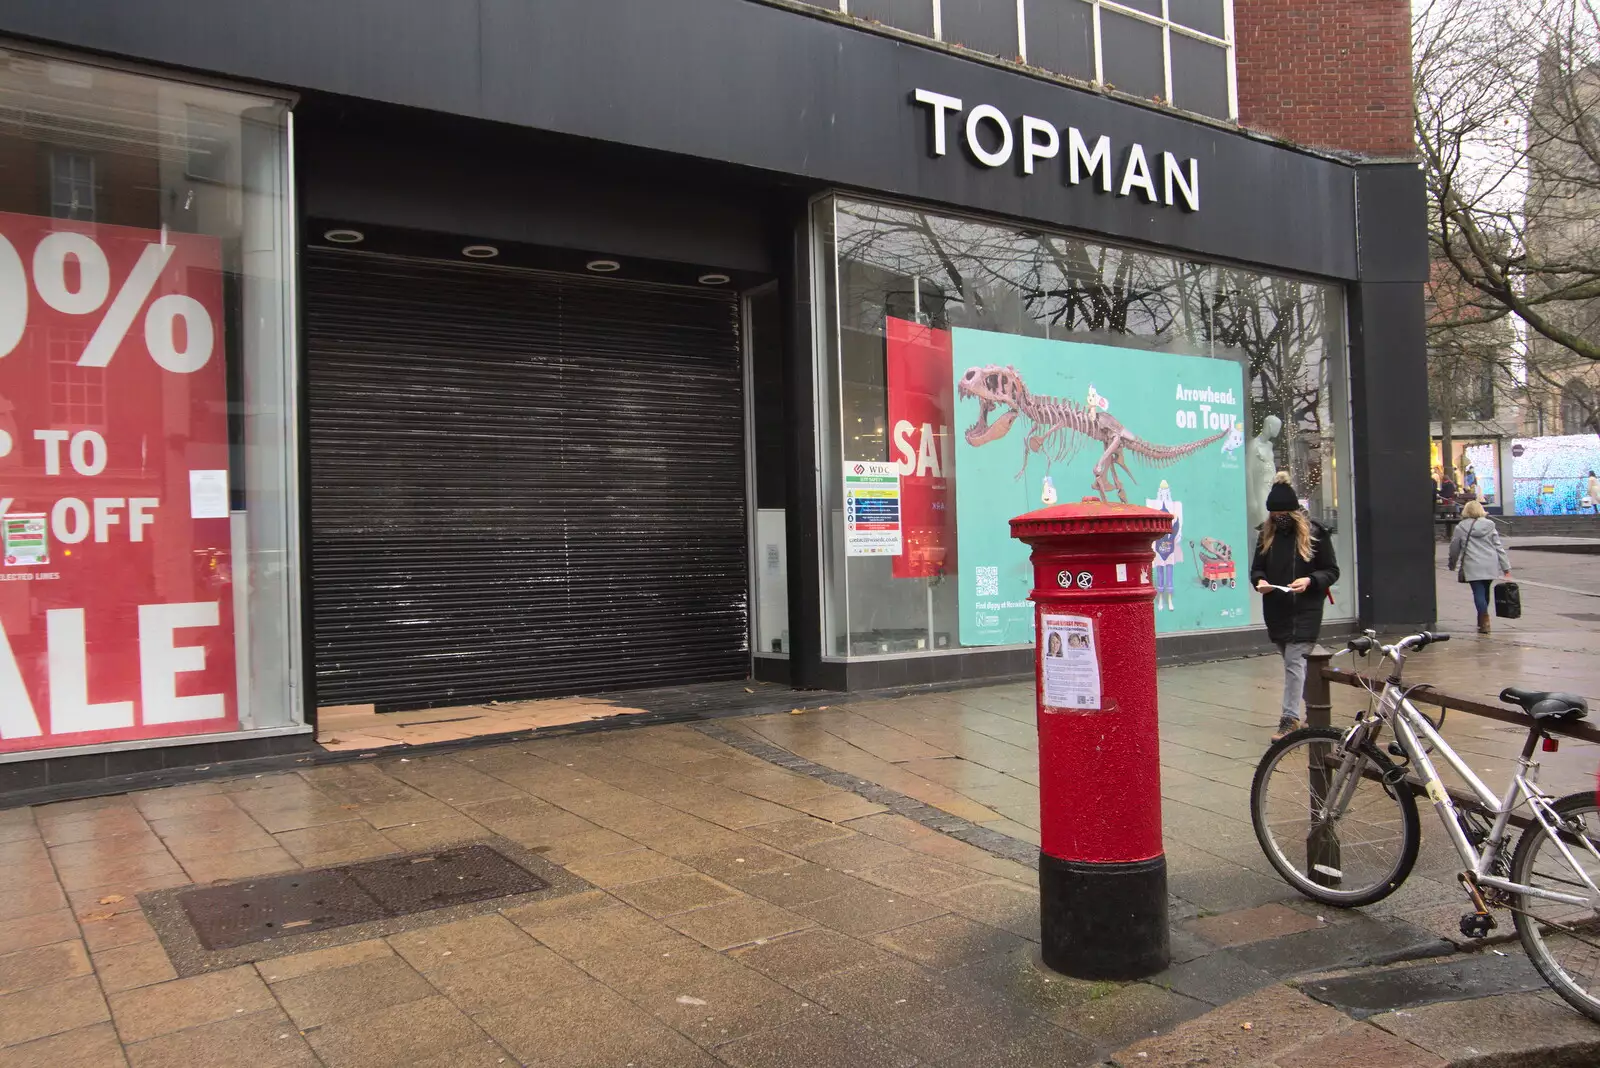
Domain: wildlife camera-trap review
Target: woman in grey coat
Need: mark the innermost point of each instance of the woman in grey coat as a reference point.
(1476, 550)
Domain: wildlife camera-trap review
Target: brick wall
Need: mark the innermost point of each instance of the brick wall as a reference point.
(1327, 73)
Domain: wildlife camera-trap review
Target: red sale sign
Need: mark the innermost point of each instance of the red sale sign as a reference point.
(921, 398)
(116, 603)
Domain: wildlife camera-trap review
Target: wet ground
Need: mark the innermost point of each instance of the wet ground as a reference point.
(842, 886)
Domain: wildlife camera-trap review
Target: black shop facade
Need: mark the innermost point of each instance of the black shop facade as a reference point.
(544, 350)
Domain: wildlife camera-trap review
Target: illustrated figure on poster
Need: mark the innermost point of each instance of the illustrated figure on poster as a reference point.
(1235, 440)
(1168, 547)
(1096, 400)
(1058, 428)
(1260, 467)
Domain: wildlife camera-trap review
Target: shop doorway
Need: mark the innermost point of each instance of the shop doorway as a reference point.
(523, 484)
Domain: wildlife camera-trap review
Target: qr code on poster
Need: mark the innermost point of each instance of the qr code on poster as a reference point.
(988, 581)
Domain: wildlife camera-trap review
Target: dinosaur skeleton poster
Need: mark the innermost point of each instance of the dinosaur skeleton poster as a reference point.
(1151, 428)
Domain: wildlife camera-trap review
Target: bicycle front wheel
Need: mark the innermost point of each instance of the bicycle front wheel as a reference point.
(1562, 940)
(1329, 821)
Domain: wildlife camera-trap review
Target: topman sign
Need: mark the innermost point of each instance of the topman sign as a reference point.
(993, 141)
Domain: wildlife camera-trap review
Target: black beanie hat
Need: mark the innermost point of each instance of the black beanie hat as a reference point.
(1281, 498)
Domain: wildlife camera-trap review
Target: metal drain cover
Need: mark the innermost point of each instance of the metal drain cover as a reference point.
(404, 885)
(259, 909)
(256, 910)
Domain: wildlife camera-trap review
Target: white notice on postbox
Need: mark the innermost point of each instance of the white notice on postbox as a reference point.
(1071, 674)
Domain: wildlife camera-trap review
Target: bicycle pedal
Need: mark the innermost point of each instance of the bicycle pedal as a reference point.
(1477, 924)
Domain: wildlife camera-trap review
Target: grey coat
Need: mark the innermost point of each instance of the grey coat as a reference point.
(1478, 542)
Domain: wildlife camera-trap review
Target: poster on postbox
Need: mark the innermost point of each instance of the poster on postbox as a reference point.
(115, 585)
(1158, 429)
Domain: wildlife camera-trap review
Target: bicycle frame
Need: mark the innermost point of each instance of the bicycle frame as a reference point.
(1416, 734)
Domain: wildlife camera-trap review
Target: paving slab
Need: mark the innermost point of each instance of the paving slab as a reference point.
(1498, 1030)
(1462, 977)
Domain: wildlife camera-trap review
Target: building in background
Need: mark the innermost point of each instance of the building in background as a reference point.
(1477, 386)
(1562, 229)
(531, 349)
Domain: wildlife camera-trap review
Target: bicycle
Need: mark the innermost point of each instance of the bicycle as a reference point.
(1347, 808)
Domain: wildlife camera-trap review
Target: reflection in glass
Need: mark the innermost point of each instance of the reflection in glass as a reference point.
(880, 261)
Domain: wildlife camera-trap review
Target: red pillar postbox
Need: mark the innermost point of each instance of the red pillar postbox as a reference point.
(1102, 872)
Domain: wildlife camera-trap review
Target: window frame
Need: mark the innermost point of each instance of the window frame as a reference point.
(1164, 21)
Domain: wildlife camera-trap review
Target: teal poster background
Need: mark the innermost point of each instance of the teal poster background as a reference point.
(1164, 400)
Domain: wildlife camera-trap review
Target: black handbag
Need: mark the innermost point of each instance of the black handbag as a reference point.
(1507, 600)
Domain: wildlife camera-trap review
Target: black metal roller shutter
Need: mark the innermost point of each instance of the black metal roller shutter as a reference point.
(523, 484)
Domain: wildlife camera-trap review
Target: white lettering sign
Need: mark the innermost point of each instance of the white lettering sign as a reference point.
(992, 139)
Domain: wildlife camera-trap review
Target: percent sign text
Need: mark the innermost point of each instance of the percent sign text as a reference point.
(177, 331)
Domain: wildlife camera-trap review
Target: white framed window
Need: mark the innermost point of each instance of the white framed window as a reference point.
(1177, 52)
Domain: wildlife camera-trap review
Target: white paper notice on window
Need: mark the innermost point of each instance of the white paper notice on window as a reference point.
(208, 494)
(1071, 673)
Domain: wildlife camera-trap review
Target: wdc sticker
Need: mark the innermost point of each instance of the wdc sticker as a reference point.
(1085, 580)
(1064, 579)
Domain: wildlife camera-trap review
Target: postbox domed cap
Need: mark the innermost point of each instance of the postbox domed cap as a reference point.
(1092, 516)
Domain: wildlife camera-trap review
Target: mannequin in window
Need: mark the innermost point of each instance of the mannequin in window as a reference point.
(1260, 467)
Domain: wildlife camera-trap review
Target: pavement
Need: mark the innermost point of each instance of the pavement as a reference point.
(840, 886)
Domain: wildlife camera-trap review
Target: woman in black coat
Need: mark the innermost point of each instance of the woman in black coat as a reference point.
(1293, 569)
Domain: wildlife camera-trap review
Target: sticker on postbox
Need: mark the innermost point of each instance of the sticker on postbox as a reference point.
(1070, 676)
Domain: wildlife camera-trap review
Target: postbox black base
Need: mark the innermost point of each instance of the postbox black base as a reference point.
(1104, 921)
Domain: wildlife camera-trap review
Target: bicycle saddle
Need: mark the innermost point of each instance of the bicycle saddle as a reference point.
(1541, 704)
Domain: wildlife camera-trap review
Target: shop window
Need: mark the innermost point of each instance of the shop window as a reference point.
(948, 347)
(148, 577)
(72, 186)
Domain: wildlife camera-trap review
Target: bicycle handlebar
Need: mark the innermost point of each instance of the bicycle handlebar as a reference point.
(1366, 643)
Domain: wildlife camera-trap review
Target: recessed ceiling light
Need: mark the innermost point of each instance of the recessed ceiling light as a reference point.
(603, 266)
(714, 279)
(480, 252)
(345, 237)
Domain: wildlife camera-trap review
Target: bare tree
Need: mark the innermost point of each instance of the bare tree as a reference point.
(1508, 128)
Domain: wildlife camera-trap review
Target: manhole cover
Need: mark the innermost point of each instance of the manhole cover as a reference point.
(404, 885)
(256, 910)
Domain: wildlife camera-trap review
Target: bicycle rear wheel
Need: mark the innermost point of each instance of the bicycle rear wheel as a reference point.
(1562, 940)
(1354, 856)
